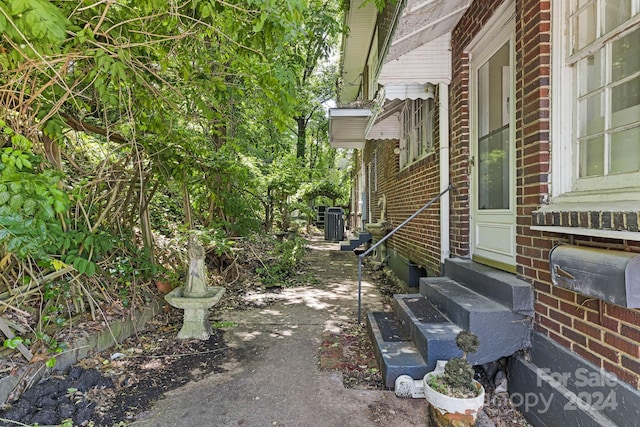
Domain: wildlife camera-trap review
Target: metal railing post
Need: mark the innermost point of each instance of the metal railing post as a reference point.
(383, 239)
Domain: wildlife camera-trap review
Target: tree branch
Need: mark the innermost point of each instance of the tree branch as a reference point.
(81, 126)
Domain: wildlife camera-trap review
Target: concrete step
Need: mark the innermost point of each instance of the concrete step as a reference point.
(498, 285)
(396, 353)
(351, 244)
(501, 331)
(556, 387)
(433, 334)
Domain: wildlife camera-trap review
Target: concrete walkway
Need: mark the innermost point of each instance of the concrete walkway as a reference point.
(274, 379)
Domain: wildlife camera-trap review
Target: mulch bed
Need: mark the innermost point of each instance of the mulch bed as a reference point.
(351, 353)
(113, 386)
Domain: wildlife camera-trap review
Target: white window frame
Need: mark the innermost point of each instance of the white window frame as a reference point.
(405, 134)
(565, 184)
(417, 130)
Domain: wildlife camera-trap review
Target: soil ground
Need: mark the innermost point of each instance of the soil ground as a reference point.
(283, 356)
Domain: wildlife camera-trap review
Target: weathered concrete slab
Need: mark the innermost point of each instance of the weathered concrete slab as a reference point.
(276, 381)
(433, 334)
(395, 357)
(500, 286)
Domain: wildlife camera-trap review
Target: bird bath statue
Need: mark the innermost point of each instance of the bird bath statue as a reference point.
(380, 229)
(195, 298)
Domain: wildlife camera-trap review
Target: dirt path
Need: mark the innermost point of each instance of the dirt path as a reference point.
(272, 376)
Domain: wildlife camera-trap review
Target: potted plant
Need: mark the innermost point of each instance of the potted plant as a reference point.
(166, 280)
(454, 397)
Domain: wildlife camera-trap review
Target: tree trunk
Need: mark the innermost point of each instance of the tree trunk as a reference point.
(145, 226)
(302, 137)
(268, 214)
(186, 205)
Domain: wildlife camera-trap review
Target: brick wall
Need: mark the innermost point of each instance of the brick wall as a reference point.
(354, 212)
(407, 190)
(605, 334)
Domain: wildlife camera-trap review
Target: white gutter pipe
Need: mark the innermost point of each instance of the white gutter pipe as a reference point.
(443, 110)
(364, 189)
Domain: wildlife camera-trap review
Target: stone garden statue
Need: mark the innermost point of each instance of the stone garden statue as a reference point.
(195, 297)
(197, 276)
(383, 210)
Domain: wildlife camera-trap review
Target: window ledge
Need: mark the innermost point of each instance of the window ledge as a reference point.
(579, 215)
(591, 232)
(569, 205)
(624, 200)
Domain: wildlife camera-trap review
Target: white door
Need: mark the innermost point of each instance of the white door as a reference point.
(493, 211)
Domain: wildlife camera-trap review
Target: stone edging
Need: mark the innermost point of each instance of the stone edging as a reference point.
(117, 331)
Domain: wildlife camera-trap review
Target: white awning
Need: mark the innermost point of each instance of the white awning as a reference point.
(423, 21)
(408, 91)
(385, 128)
(428, 63)
(385, 123)
(347, 127)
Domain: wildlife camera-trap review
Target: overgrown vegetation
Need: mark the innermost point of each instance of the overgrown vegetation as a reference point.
(127, 126)
(286, 258)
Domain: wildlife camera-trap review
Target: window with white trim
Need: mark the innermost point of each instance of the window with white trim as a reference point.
(597, 121)
(417, 124)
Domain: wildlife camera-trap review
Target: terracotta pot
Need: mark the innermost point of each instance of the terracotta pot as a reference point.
(164, 287)
(447, 411)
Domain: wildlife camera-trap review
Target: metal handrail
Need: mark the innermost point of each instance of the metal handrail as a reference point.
(391, 233)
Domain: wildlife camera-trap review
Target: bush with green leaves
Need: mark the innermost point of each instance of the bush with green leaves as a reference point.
(33, 209)
(30, 199)
(286, 258)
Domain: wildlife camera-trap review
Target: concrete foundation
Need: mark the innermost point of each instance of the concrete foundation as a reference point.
(554, 387)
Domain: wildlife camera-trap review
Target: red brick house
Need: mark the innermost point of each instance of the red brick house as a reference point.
(531, 110)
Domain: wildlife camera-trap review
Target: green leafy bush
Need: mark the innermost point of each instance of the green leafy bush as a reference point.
(286, 258)
(33, 208)
(30, 200)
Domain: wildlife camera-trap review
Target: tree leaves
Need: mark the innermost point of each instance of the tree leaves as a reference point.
(153, 90)
(38, 20)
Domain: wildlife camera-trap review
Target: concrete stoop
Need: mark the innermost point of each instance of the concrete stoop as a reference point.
(433, 334)
(427, 323)
(501, 331)
(351, 244)
(554, 387)
(500, 286)
(396, 355)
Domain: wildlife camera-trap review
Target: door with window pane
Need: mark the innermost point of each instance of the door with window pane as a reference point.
(492, 143)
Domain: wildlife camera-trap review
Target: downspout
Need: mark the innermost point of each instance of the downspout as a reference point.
(443, 112)
(363, 191)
